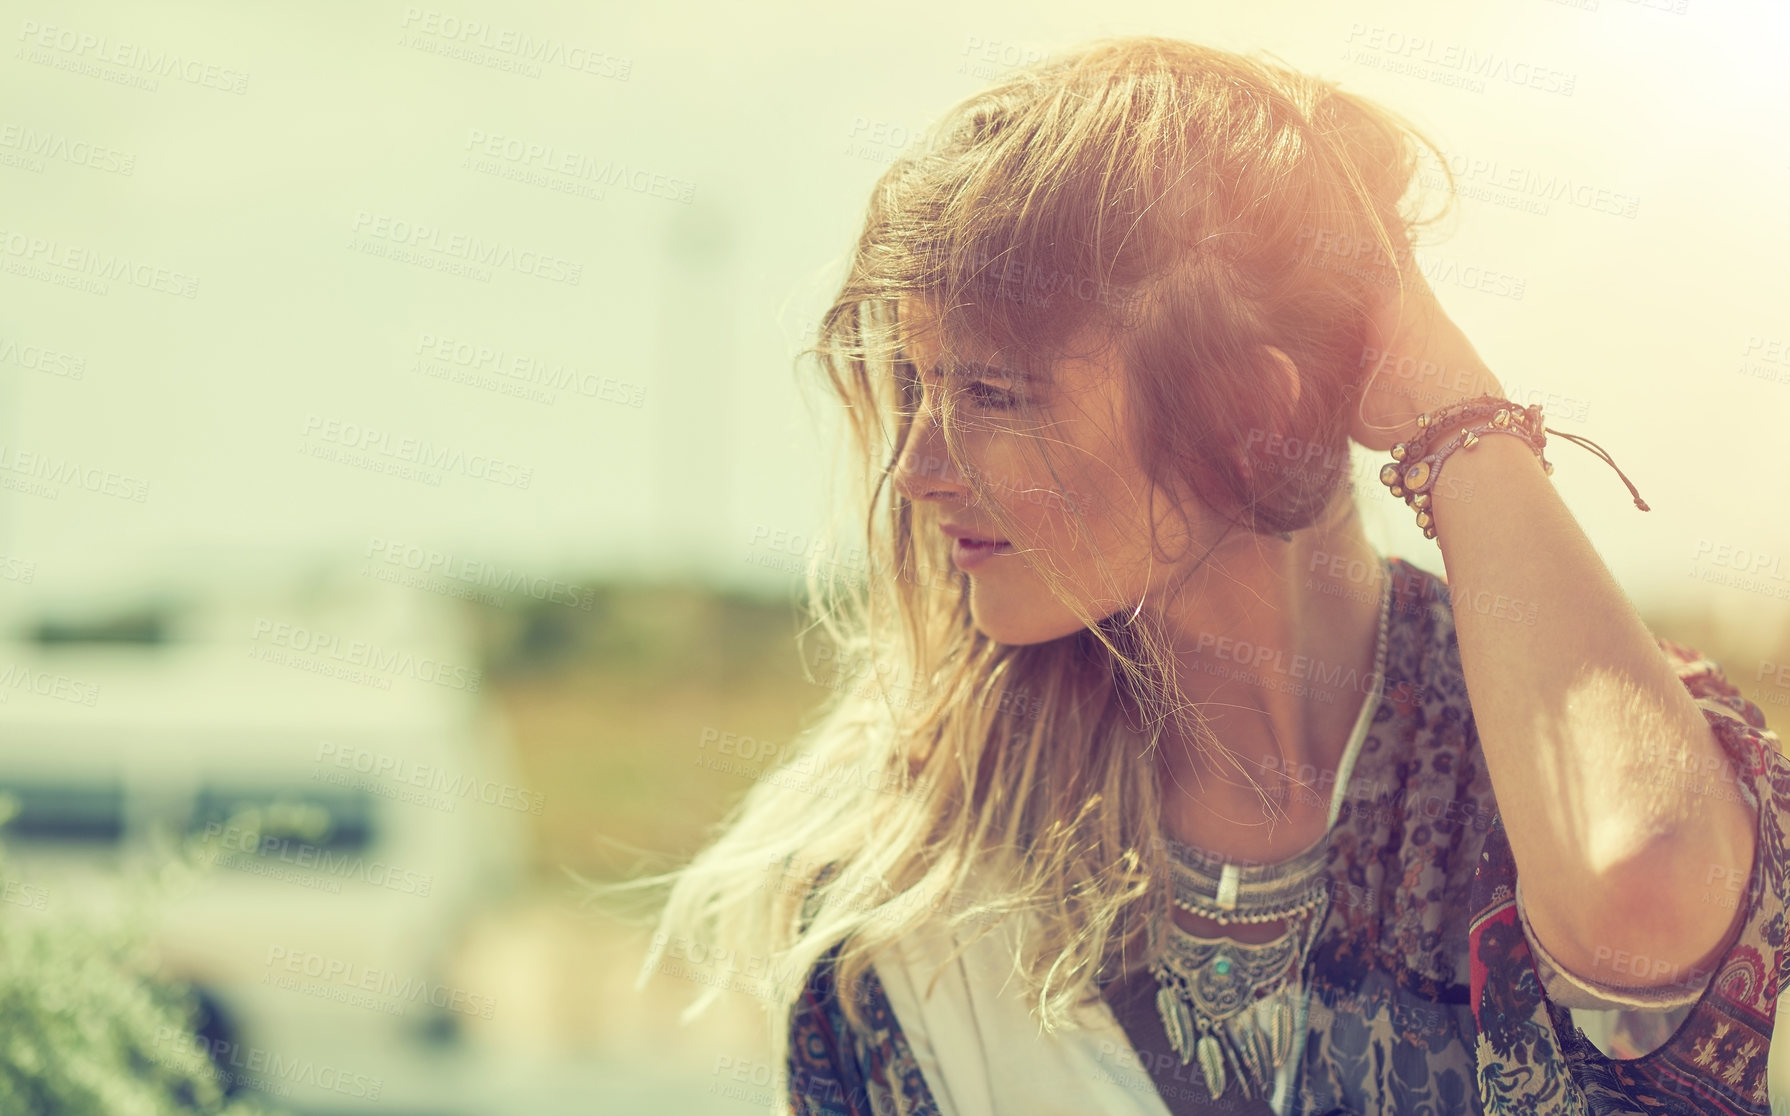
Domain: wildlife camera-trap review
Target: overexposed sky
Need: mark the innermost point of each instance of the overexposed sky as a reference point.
(277, 158)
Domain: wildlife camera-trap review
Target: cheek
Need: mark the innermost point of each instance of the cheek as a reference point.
(1085, 509)
(1043, 507)
(1084, 518)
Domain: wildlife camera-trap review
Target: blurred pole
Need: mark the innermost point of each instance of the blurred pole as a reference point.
(694, 465)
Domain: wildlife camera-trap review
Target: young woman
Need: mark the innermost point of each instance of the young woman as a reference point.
(1163, 792)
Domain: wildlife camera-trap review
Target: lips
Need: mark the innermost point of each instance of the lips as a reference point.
(970, 550)
(969, 554)
(970, 539)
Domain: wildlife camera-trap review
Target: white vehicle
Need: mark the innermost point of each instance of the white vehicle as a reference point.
(333, 753)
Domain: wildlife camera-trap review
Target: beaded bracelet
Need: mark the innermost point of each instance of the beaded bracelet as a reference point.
(1416, 464)
(1493, 414)
(1457, 414)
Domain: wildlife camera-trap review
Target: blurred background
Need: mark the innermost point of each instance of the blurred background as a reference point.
(405, 478)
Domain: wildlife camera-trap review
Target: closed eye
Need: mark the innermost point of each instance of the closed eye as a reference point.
(984, 396)
(992, 398)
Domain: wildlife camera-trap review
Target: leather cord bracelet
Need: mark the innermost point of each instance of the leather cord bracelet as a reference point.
(1416, 464)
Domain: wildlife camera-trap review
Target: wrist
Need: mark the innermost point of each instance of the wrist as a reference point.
(1498, 475)
(1416, 473)
(1491, 454)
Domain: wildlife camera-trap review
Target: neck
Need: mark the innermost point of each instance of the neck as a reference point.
(1274, 645)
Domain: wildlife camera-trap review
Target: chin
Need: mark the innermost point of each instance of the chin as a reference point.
(1019, 626)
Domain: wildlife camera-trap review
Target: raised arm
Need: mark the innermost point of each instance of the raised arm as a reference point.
(1578, 710)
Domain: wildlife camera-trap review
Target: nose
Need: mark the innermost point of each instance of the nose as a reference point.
(923, 470)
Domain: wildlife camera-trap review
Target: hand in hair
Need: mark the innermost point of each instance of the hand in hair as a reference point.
(1415, 359)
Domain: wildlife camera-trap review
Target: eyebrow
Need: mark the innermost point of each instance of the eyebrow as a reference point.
(977, 370)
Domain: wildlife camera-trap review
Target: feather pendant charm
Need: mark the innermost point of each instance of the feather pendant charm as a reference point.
(1245, 1053)
(1174, 1015)
(1184, 1015)
(1281, 1033)
(1212, 1065)
(1260, 1068)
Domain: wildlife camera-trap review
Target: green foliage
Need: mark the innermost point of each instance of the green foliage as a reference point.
(87, 1026)
(637, 630)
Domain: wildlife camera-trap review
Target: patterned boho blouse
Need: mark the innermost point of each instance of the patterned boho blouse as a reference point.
(1428, 993)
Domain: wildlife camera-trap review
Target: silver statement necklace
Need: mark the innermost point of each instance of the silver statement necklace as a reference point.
(1232, 1003)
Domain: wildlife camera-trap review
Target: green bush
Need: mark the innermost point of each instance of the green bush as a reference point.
(87, 1025)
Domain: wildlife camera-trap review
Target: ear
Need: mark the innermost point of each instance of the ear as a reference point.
(1288, 373)
(1272, 405)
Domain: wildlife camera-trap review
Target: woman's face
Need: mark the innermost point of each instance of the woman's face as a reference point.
(1078, 418)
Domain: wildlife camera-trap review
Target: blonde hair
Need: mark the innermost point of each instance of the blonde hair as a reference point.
(1181, 204)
